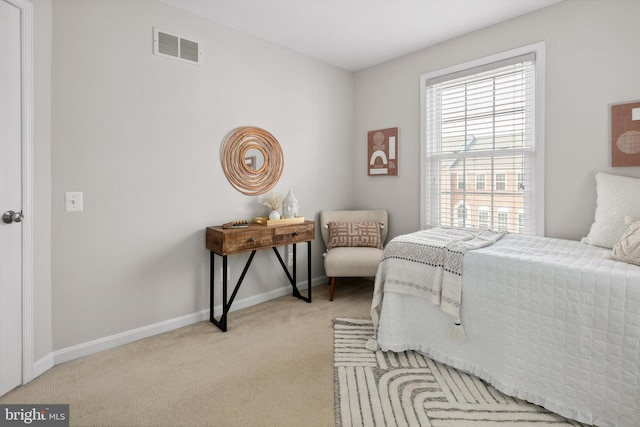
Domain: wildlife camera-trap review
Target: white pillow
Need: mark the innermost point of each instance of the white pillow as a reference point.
(617, 197)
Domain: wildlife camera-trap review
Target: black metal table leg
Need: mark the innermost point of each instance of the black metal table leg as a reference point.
(226, 305)
(212, 262)
(309, 271)
(222, 323)
(292, 276)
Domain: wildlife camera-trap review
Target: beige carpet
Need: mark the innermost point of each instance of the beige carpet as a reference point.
(274, 367)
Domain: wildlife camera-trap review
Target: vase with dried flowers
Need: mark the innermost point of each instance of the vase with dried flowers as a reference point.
(273, 201)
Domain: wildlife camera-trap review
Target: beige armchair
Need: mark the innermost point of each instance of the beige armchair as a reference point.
(353, 247)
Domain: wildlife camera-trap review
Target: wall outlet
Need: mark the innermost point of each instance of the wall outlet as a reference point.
(73, 201)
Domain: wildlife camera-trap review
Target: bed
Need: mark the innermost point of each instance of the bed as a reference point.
(551, 321)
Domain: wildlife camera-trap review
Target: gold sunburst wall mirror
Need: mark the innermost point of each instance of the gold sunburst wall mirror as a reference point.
(251, 159)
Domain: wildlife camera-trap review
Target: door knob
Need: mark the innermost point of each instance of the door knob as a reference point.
(10, 216)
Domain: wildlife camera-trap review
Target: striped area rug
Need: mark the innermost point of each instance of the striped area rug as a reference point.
(409, 389)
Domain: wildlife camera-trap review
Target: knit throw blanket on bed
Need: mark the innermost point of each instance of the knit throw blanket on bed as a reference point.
(428, 264)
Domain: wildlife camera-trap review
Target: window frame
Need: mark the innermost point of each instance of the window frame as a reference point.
(538, 49)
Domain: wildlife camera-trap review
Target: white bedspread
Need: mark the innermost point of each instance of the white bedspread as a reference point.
(550, 321)
(428, 264)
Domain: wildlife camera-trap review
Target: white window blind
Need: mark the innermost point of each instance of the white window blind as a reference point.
(479, 127)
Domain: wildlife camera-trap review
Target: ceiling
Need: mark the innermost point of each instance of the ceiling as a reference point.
(356, 34)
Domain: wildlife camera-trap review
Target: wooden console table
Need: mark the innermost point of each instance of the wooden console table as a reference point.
(224, 242)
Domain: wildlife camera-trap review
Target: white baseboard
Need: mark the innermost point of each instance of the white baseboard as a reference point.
(43, 365)
(106, 343)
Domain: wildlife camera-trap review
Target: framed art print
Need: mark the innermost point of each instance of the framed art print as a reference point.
(625, 134)
(382, 153)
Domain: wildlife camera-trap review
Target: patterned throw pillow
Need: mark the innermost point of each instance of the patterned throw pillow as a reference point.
(354, 234)
(628, 248)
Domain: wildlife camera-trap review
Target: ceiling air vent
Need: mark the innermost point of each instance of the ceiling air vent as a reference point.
(175, 46)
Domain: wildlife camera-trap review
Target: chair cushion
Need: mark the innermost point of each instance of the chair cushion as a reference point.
(352, 262)
(354, 234)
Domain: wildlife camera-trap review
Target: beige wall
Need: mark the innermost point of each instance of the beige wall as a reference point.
(140, 135)
(591, 61)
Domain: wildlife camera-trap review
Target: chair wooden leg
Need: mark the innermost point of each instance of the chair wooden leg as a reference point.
(332, 287)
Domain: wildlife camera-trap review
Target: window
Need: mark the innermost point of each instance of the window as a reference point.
(483, 218)
(520, 181)
(503, 219)
(462, 217)
(521, 222)
(501, 182)
(483, 120)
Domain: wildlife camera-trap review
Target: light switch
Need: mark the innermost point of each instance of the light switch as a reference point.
(635, 114)
(73, 201)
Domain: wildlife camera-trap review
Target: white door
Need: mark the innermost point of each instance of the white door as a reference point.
(10, 197)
